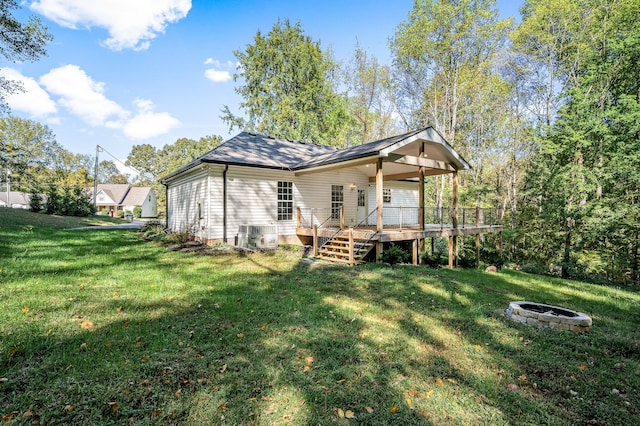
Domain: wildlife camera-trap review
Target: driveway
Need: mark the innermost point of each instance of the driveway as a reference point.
(136, 224)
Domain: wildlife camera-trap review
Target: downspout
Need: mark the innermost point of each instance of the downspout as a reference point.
(224, 203)
(166, 203)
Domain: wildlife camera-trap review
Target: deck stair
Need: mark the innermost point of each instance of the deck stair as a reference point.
(337, 249)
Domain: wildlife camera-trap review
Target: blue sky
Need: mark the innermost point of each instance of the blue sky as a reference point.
(125, 72)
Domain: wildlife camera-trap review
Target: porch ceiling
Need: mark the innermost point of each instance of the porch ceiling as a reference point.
(402, 164)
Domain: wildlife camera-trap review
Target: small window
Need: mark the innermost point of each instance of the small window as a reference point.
(361, 198)
(200, 210)
(386, 195)
(285, 200)
(337, 200)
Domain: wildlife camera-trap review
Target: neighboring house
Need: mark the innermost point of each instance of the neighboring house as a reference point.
(258, 180)
(17, 200)
(125, 197)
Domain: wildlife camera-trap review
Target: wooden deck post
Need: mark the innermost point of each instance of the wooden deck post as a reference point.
(477, 237)
(315, 241)
(421, 204)
(379, 205)
(415, 256)
(352, 260)
(298, 217)
(342, 218)
(453, 240)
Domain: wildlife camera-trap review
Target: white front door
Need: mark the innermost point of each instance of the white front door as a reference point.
(362, 206)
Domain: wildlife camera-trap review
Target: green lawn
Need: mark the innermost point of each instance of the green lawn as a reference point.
(101, 327)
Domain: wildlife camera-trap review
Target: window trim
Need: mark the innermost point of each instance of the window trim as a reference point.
(337, 200)
(284, 200)
(386, 195)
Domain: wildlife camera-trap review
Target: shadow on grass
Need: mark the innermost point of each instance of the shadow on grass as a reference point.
(184, 339)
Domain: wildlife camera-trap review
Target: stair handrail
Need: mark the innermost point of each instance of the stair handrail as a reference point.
(362, 222)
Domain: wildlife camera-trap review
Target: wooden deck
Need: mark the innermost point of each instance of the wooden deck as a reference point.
(391, 234)
(348, 245)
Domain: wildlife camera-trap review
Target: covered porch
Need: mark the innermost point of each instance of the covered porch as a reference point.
(410, 158)
(321, 229)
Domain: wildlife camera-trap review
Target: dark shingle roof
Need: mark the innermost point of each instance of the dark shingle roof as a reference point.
(248, 149)
(357, 151)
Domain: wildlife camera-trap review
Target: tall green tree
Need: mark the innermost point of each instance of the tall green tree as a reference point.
(108, 173)
(288, 89)
(19, 42)
(370, 92)
(153, 163)
(445, 59)
(585, 183)
(29, 149)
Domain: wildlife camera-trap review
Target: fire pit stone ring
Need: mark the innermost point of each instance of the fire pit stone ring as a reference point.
(548, 316)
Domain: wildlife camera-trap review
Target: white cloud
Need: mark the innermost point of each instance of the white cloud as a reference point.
(217, 76)
(33, 100)
(131, 24)
(81, 95)
(147, 123)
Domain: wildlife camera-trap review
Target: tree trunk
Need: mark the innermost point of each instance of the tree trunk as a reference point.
(567, 254)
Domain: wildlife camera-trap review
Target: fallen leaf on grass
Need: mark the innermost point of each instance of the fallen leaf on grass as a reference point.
(582, 367)
(349, 414)
(512, 386)
(25, 309)
(69, 408)
(340, 413)
(86, 325)
(394, 408)
(3, 379)
(223, 368)
(439, 381)
(523, 377)
(429, 393)
(145, 358)
(240, 335)
(12, 415)
(369, 409)
(113, 406)
(223, 407)
(409, 403)
(155, 413)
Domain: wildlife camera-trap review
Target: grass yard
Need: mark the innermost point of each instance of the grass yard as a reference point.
(101, 327)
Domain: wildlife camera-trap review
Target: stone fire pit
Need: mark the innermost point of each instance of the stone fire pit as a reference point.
(548, 316)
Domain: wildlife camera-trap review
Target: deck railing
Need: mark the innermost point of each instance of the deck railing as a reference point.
(403, 217)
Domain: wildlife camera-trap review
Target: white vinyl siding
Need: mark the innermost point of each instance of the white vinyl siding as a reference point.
(183, 196)
(402, 194)
(252, 198)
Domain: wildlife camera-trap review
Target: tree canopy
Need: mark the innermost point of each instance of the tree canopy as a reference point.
(19, 42)
(288, 89)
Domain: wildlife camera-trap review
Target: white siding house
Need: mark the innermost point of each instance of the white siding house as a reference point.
(125, 197)
(259, 180)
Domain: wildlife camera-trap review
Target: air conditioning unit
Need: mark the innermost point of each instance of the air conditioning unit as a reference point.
(258, 236)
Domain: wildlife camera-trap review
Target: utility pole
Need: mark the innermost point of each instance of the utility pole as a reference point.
(95, 179)
(8, 187)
